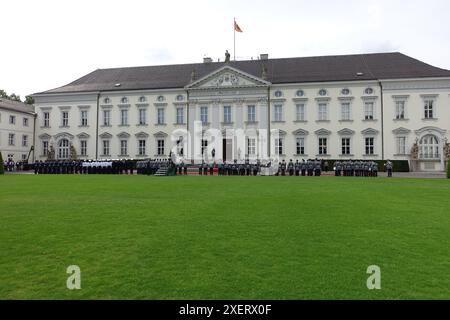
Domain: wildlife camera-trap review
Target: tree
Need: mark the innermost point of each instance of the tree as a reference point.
(2, 168)
(15, 97)
(3, 94)
(29, 100)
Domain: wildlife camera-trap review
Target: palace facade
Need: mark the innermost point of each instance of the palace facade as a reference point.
(367, 106)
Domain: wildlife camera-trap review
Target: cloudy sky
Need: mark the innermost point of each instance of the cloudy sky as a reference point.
(49, 43)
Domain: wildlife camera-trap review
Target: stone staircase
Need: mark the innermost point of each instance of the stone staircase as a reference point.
(162, 171)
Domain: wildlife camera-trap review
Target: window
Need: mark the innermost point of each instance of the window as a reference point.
(11, 139)
(204, 146)
(84, 118)
(44, 148)
(251, 146)
(160, 98)
(278, 112)
(429, 109)
(279, 146)
(12, 119)
(429, 147)
(106, 100)
(24, 141)
(65, 119)
(323, 146)
(142, 117)
(278, 93)
(368, 111)
(369, 146)
(24, 157)
(46, 123)
(345, 92)
(346, 146)
(204, 114)
(251, 113)
(25, 122)
(124, 117)
(123, 147)
(107, 118)
(142, 99)
(160, 116)
(83, 148)
(106, 147)
(400, 110)
(161, 147)
(63, 149)
(401, 145)
(300, 146)
(322, 92)
(180, 115)
(142, 147)
(323, 112)
(180, 97)
(345, 111)
(300, 112)
(368, 91)
(300, 93)
(124, 100)
(227, 114)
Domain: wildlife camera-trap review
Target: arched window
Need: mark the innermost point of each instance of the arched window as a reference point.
(63, 149)
(429, 147)
(124, 100)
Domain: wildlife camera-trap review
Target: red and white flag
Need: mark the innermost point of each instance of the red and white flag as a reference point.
(236, 27)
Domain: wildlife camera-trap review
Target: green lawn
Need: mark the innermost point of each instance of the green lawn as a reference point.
(139, 237)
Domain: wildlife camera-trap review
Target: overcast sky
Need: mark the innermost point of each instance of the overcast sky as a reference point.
(49, 43)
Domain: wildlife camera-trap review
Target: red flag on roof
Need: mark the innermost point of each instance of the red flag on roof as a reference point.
(236, 27)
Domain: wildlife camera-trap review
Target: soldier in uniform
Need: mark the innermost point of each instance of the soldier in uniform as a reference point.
(297, 168)
(211, 169)
(247, 167)
(389, 166)
(283, 168)
(318, 168)
(291, 167)
(375, 169)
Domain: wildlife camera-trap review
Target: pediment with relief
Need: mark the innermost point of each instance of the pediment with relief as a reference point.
(227, 77)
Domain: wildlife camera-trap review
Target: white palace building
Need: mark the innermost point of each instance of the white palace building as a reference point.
(365, 106)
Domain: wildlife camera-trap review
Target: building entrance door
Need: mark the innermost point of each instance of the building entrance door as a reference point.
(227, 149)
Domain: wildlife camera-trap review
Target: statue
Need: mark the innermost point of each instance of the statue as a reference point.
(446, 149)
(51, 153)
(73, 152)
(193, 75)
(415, 150)
(264, 73)
(227, 56)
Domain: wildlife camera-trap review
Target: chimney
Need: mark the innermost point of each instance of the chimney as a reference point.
(264, 56)
(207, 60)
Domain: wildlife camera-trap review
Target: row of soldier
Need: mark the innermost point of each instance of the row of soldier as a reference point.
(84, 167)
(310, 167)
(356, 168)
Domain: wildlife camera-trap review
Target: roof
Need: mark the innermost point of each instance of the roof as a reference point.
(373, 66)
(16, 106)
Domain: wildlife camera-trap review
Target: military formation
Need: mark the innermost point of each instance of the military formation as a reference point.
(84, 167)
(310, 167)
(356, 168)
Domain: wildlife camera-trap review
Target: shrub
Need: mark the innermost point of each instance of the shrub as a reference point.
(2, 168)
(448, 168)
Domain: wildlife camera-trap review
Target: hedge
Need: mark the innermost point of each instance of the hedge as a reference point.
(399, 165)
(2, 167)
(448, 168)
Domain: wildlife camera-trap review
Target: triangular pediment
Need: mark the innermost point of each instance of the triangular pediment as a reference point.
(227, 77)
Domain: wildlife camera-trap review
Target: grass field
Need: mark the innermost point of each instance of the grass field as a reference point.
(139, 237)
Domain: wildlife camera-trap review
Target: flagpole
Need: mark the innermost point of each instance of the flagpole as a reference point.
(234, 38)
